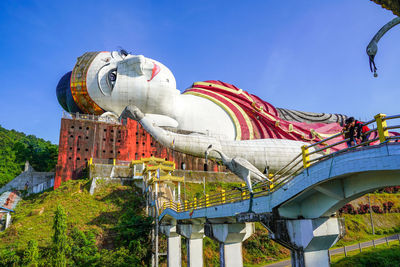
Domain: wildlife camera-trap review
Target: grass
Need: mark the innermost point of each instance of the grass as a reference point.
(99, 213)
(358, 227)
(260, 250)
(382, 255)
(197, 190)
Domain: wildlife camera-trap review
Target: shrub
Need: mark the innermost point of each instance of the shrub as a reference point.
(31, 254)
(376, 209)
(9, 257)
(387, 206)
(60, 244)
(348, 208)
(363, 209)
(84, 251)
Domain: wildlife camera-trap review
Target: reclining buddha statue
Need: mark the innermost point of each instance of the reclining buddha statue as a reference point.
(207, 113)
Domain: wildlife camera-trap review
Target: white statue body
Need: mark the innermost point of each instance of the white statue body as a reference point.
(115, 80)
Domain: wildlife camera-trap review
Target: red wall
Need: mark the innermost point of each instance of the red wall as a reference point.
(82, 139)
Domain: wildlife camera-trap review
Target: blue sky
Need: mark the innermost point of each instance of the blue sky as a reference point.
(304, 55)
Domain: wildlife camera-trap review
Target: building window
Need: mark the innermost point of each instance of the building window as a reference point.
(79, 137)
(111, 151)
(71, 136)
(70, 148)
(112, 140)
(80, 127)
(87, 128)
(112, 131)
(105, 130)
(104, 139)
(86, 149)
(72, 127)
(78, 158)
(78, 149)
(137, 142)
(87, 137)
(104, 151)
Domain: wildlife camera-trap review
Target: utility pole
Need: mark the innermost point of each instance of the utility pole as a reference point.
(156, 233)
(370, 214)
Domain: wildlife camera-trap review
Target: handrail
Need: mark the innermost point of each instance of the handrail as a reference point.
(286, 173)
(324, 140)
(392, 117)
(327, 147)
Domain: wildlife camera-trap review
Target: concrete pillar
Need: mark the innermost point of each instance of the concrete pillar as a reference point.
(194, 234)
(230, 237)
(230, 254)
(311, 239)
(174, 258)
(174, 251)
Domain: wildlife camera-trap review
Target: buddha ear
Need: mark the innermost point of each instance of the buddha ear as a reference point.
(134, 62)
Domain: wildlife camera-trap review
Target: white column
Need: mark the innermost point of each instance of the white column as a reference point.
(230, 237)
(174, 245)
(174, 251)
(231, 254)
(194, 234)
(318, 258)
(312, 238)
(195, 252)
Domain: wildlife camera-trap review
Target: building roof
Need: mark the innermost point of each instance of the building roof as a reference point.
(393, 5)
(8, 210)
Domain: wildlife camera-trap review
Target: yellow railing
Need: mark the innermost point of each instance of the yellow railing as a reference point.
(317, 151)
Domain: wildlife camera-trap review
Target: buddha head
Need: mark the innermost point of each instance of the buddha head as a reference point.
(109, 81)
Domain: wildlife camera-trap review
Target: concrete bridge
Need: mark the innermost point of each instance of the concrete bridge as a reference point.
(299, 211)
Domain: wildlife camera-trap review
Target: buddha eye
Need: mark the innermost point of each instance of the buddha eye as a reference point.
(111, 78)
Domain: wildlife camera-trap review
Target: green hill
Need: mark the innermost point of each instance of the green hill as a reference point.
(107, 229)
(110, 228)
(16, 148)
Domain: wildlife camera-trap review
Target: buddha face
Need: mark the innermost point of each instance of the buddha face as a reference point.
(109, 81)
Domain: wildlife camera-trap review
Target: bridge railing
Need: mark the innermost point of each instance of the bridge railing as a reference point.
(317, 151)
(381, 132)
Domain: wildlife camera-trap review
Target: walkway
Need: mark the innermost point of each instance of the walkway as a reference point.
(296, 207)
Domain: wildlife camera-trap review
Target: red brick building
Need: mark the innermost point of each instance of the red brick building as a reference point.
(84, 137)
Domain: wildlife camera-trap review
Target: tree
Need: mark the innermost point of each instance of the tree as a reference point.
(84, 251)
(31, 254)
(16, 148)
(60, 239)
